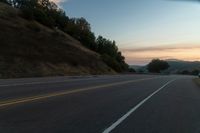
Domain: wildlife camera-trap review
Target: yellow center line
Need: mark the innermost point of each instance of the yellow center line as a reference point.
(55, 94)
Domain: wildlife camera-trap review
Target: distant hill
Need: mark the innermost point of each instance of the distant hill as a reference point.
(29, 49)
(179, 65)
(139, 68)
(176, 66)
(136, 67)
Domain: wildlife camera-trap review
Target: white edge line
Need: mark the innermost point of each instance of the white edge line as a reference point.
(120, 120)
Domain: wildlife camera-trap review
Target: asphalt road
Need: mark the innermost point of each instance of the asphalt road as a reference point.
(100, 104)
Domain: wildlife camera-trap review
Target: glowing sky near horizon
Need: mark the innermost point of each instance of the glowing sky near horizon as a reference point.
(144, 55)
(144, 29)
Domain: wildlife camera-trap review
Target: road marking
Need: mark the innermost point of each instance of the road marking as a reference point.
(120, 120)
(40, 97)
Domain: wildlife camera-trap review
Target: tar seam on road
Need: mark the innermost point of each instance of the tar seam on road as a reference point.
(41, 97)
(120, 120)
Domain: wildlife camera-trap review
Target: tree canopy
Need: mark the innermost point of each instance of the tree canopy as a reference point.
(157, 65)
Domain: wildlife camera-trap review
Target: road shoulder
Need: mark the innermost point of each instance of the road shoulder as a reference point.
(197, 81)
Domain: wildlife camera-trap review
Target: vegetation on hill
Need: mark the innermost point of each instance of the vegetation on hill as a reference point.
(28, 49)
(50, 15)
(183, 67)
(187, 72)
(176, 67)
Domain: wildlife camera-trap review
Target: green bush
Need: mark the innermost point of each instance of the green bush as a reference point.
(41, 16)
(132, 70)
(4, 1)
(111, 62)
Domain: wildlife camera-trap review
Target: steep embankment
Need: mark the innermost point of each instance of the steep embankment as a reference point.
(29, 49)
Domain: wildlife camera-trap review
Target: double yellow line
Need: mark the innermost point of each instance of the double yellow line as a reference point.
(55, 94)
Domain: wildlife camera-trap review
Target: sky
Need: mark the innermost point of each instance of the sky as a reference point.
(143, 29)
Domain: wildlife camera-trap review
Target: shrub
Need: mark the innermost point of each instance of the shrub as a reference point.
(132, 70)
(111, 62)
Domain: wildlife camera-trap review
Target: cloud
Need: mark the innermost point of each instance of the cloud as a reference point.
(144, 55)
(160, 48)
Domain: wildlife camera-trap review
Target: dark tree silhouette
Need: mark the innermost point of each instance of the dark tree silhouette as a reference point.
(110, 54)
(4, 1)
(157, 65)
(132, 70)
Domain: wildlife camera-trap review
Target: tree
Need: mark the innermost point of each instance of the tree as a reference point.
(185, 72)
(105, 46)
(111, 56)
(195, 72)
(4, 1)
(157, 65)
(132, 70)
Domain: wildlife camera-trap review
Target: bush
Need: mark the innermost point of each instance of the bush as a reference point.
(5, 1)
(41, 16)
(132, 70)
(112, 57)
(111, 62)
(195, 72)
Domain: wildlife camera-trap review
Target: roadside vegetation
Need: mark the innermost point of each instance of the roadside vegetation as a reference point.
(49, 14)
(187, 72)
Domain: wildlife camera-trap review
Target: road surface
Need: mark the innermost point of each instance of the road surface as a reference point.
(100, 104)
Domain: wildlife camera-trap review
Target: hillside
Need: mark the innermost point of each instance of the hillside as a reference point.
(176, 66)
(29, 49)
(179, 65)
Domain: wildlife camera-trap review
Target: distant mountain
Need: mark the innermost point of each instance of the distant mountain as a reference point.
(175, 66)
(139, 69)
(179, 65)
(136, 67)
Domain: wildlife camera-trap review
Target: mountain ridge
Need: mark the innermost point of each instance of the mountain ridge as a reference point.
(176, 66)
(181, 65)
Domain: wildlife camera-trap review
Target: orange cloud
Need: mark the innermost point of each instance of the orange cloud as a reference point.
(144, 55)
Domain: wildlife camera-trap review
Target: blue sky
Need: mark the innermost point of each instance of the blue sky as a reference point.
(141, 24)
